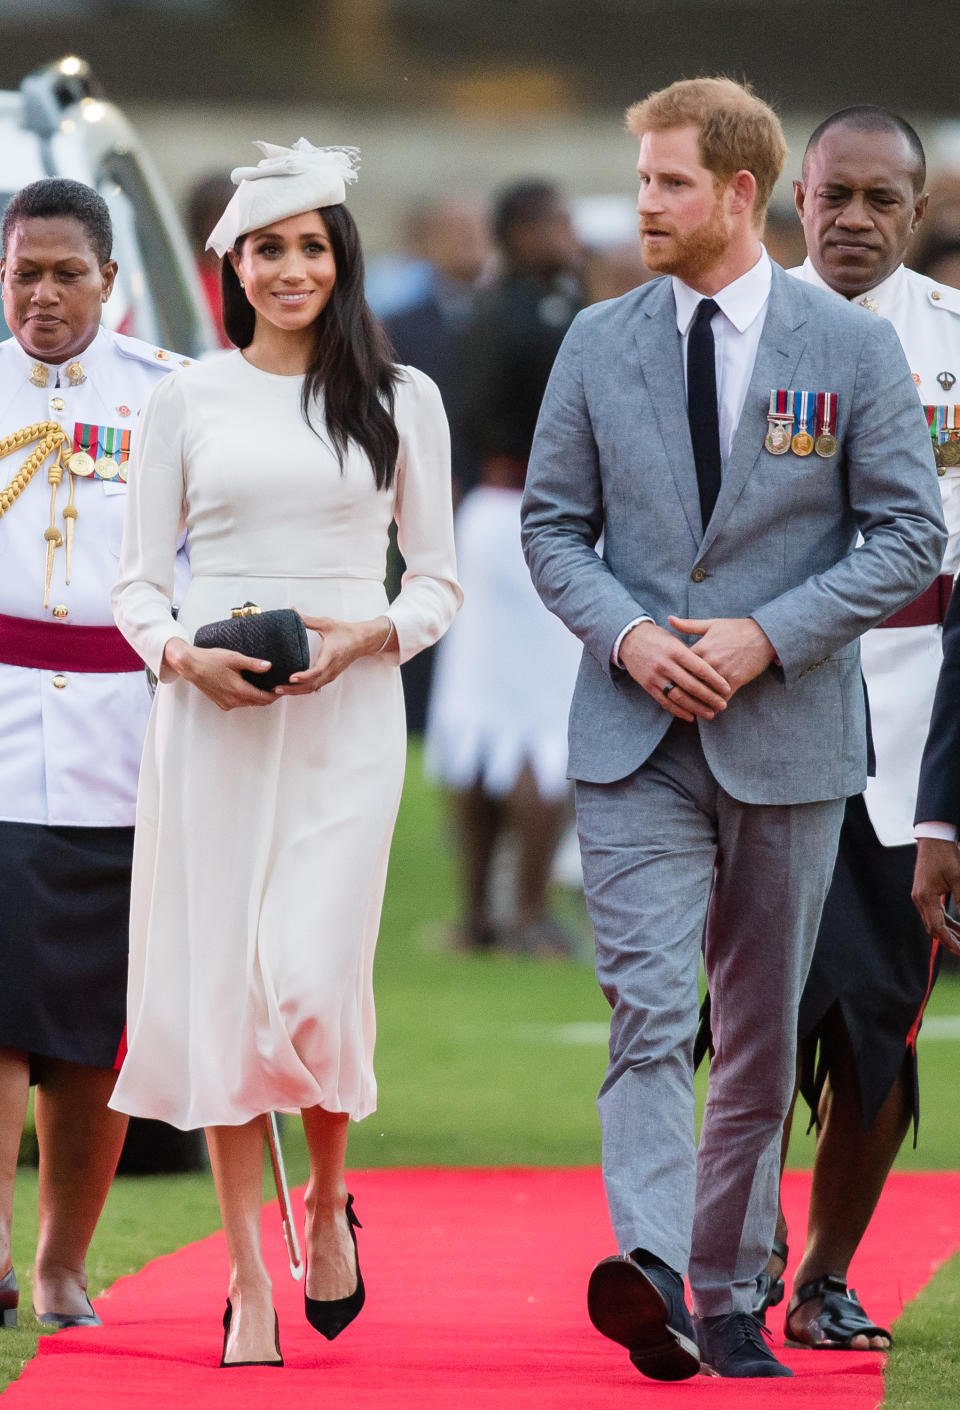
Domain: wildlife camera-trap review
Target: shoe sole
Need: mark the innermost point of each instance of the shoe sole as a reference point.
(625, 1306)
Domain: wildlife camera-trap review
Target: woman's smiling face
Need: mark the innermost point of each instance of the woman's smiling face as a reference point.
(287, 270)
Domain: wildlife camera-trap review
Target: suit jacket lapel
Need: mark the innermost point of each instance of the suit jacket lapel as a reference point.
(780, 349)
(662, 371)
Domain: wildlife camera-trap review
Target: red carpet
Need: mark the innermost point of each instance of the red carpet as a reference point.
(475, 1302)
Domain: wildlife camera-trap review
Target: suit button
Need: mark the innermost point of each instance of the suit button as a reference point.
(60, 612)
(60, 682)
(699, 575)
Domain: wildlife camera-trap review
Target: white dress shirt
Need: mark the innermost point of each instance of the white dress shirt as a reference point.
(737, 326)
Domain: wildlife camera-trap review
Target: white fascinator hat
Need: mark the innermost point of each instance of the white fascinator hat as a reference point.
(286, 182)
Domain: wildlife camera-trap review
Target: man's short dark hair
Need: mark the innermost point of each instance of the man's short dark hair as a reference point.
(866, 117)
(523, 204)
(58, 196)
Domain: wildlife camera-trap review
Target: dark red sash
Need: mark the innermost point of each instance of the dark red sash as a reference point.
(54, 646)
(928, 610)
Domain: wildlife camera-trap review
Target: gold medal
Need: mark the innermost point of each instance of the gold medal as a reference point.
(80, 463)
(122, 471)
(825, 445)
(950, 454)
(826, 423)
(802, 443)
(106, 467)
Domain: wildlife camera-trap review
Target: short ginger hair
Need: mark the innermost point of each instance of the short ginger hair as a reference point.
(737, 130)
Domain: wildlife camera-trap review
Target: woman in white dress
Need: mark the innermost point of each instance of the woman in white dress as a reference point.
(265, 817)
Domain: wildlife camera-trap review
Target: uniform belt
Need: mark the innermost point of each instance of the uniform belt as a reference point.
(927, 610)
(50, 646)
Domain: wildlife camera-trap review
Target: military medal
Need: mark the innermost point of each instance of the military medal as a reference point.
(950, 445)
(780, 419)
(802, 443)
(932, 413)
(81, 461)
(826, 421)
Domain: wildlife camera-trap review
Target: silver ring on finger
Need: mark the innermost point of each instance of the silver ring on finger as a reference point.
(670, 685)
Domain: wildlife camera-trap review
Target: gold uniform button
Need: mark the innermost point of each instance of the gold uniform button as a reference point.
(60, 682)
(699, 575)
(57, 404)
(60, 611)
(941, 470)
(936, 295)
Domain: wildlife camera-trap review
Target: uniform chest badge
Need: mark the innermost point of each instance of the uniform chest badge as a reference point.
(946, 380)
(123, 411)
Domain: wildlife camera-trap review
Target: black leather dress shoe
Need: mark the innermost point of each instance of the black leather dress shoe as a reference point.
(733, 1345)
(642, 1308)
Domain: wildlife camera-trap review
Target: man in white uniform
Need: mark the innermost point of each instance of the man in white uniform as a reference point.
(74, 702)
(860, 200)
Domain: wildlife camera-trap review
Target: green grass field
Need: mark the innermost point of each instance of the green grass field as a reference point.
(495, 1060)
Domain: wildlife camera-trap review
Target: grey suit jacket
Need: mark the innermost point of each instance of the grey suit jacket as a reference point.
(612, 457)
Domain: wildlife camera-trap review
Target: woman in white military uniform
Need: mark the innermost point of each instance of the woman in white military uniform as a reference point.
(73, 709)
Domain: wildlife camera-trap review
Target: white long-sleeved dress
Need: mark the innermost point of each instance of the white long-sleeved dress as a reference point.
(263, 834)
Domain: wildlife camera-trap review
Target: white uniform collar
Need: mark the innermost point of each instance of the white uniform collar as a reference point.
(879, 299)
(89, 359)
(740, 302)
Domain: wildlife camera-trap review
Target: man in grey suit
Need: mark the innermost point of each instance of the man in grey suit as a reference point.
(729, 432)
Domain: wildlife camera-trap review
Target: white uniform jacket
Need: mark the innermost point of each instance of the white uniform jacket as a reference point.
(901, 664)
(70, 741)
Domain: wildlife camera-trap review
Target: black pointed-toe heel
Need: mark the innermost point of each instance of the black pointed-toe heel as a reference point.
(227, 1319)
(330, 1318)
(9, 1299)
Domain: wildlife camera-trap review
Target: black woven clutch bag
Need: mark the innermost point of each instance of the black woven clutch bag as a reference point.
(278, 637)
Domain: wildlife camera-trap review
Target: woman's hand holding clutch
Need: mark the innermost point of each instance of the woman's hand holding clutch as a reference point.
(217, 673)
(342, 644)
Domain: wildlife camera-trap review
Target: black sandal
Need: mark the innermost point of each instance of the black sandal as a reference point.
(770, 1291)
(841, 1318)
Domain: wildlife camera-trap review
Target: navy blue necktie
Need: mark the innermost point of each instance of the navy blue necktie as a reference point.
(702, 410)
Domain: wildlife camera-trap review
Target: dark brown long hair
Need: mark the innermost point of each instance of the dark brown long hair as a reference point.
(352, 362)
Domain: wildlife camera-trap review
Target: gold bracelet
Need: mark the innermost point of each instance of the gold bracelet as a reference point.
(386, 639)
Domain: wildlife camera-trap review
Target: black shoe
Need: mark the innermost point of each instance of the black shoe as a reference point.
(733, 1345)
(643, 1309)
(62, 1320)
(9, 1299)
(227, 1319)
(330, 1318)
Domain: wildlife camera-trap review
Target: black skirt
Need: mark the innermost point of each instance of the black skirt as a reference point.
(874, 962)
(64, 917)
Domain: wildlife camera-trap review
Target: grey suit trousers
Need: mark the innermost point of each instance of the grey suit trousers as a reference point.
(671, 861)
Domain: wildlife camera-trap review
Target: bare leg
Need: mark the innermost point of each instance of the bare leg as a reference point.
(849, 1172)
(14, 1093)
(479, 821)
(236, 1159)
(331, 1265)
(538, 825)
(79, 1138)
